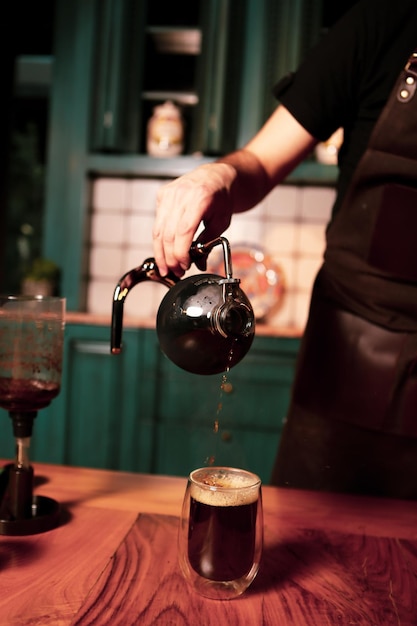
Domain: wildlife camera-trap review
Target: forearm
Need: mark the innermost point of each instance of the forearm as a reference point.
(249, 180)
(266, 160)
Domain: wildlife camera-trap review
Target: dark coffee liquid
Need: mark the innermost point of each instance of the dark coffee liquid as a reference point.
(221, 539)
(22, 395)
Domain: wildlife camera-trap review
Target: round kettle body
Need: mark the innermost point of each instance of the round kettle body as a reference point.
(201, 329)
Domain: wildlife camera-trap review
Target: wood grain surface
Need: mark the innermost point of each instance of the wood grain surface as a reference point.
(328, 560)
(307, 577)
(45, 578)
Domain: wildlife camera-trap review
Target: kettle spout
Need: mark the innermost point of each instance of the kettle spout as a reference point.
(147, 271)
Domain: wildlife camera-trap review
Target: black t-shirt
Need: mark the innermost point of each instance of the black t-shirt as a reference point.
(346, 79)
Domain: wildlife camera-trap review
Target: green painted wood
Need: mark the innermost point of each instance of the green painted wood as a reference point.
(291, 28)
(77, 106)
(141, 165)
(108, 399)
(307, 173)
(216, 118)
(139, 412)
(103, 416)
(254, 66)
(250, 417)
(117, 75)
(67, 183)
(182, 449)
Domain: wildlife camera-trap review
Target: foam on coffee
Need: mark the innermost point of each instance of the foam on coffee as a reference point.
(222, 487)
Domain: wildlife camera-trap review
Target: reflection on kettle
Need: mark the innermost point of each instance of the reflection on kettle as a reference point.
(205, 323)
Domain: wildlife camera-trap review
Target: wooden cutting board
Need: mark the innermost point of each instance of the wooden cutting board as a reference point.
(307, 577)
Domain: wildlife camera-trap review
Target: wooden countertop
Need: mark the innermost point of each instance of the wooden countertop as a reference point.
(144, 322)
(328, 559)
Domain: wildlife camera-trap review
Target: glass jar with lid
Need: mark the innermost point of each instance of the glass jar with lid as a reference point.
(165, 132)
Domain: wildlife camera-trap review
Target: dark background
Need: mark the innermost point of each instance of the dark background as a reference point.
(26, 28)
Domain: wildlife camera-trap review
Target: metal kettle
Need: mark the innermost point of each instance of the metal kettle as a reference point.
(205, 323)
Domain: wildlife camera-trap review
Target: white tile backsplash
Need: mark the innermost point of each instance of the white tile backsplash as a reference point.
(280, 238)
(283, 315)
(289, 225)
(244, 230)
(288, 264)
(100, 296)
(139, 229)
(301, 307)
(110, 194)
(108, 229)
(144, 299)
(106, 262)
(282, 203)
(257, 213)
(143, 193)
(316, 203)
(134, 256)
(306, 270)
(311, 239)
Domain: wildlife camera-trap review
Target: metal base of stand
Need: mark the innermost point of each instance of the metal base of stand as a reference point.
(45, 516)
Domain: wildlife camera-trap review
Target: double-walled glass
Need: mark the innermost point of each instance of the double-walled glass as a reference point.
(221, 531)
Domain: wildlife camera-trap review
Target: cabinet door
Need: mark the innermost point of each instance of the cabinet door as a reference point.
(292, 27)
(101, 417)
(118, 64)
(139, 412)
(220, 71)
(95, 399)
(232, 420)
(278, 35)
(130, 78)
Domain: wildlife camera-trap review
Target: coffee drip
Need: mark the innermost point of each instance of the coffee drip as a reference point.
(205, 323)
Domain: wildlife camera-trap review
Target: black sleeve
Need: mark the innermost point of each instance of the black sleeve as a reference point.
(346, 73)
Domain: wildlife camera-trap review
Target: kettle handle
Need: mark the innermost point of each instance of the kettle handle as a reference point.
(147, 271)
(203, 249)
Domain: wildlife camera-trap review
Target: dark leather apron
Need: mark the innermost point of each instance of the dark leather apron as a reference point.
(371, 253)
(352, 424)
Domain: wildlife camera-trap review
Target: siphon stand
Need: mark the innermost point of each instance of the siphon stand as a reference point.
(21, 512)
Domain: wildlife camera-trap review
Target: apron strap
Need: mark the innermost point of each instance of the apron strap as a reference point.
(407, 86)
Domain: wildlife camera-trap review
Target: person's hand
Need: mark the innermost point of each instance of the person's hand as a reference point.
(213, 192)
(203, 195)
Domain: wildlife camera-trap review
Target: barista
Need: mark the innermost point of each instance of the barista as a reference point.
(352, 423)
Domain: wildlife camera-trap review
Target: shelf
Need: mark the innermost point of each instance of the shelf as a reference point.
(313, 173)
(143, 165)
(179, 97)
(175, 40)
(307, 173)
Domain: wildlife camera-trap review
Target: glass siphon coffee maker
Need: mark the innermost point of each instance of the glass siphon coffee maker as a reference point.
(31, 350)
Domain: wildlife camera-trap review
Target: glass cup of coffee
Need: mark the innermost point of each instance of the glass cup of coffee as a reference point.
(221, 531)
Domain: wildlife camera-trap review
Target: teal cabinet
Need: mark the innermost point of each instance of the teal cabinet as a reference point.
(109, 399)
(137, 411)
(101, 400)
(197, 421)
(105, 86)
(147, 52)
(100, 417)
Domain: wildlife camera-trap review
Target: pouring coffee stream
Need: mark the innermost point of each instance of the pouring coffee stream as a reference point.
(205, 323)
